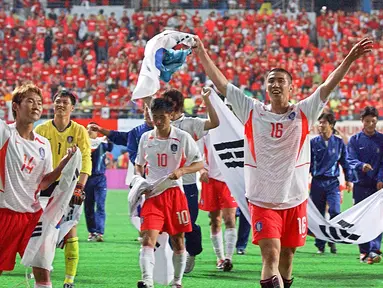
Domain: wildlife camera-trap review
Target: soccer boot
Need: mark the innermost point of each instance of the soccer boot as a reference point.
(143, 284)
(227, 265)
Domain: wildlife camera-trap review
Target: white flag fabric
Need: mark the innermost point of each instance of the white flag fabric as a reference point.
(228, 143)
(163, 254)
(41, 247)
(359, 224)
(149, 78)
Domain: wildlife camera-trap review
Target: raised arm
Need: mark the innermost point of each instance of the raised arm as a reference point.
(360, 49)
(211, 70)
(213, 120)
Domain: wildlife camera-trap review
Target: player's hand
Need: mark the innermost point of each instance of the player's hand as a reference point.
(361, 48)
(379, 185)
(205, 93)
(94, 127)
(366, 168)
(177, 174)
(78, 195)
(147, 118)
(204, 176)
(349, 186)
(69, 153)
(198, 45)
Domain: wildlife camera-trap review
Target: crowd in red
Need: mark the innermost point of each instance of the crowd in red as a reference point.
(99, 57)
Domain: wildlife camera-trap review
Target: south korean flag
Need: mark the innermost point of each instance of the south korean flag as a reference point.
(228, 142)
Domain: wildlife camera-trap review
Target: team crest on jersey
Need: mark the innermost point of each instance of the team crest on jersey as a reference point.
(377, 150)
(292, 115)
(258, 226)
(42, 153)
(174, 148)
(70, 139)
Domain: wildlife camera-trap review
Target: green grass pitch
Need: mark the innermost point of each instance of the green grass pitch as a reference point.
(114, 263)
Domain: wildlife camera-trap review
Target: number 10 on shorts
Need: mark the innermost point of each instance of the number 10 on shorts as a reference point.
(183, 217)
(302, 225)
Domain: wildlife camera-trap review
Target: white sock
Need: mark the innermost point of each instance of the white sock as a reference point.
(43, 285)
(230, 240)
(217, 241)
(179, 264)
(147, 264)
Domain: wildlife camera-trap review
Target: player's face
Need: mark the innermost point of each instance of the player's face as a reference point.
(278, 86)
(162, 119)
(369, 124)
(30, 108)
(62, 106)
(92, 134)
(324, 127)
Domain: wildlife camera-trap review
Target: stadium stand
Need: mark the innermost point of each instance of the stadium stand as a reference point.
(99, 56)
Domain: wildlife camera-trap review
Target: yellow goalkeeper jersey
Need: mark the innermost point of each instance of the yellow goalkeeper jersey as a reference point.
(74, 134)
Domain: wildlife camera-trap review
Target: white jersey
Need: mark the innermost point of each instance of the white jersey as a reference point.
(210, 164)
(23, 164)
(196, 128)
(163, 156)
(277, 149)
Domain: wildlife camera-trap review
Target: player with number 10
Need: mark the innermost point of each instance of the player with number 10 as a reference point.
(165, 152)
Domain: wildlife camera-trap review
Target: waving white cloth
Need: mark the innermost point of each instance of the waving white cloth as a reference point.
(149, 79)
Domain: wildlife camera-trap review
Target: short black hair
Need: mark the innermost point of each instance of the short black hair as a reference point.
(176, 97)
(282, 71)
(161, 104)
(66, 93)
(369, 111)
(329, 117)
(92, 122)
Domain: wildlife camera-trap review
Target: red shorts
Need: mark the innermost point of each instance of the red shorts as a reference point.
(289, 225)
(16, 229)
(167, 212)
(215, 196)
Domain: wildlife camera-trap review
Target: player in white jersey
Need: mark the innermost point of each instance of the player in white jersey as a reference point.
(197, 128)
(165, 152)
(25, 169)
(217, 199)
(277, 159)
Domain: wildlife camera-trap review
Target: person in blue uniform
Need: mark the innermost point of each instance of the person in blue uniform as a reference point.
(365, 155)
(327, 152)
(243, 233)
(96, 187)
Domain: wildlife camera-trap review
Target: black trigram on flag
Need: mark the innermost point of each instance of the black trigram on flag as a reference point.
(339, 235)
(38, 230)
(76, 174)
(69, 216)
(231, 153)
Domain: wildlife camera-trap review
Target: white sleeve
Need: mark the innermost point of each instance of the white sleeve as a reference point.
(312, 107)
(192, 152)
(242, 105)
(140, 159)
(5, 133)
(199, 128)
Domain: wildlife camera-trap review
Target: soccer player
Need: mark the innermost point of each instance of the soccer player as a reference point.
(25, 168)
(365, 155)
(166, 150)
(62, 134)
(197, 128)
(277, 158)
(327, 152)
(217, 199)
(243, 233)
(95, 188)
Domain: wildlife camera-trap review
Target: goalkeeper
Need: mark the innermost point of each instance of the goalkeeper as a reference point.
(62, 134)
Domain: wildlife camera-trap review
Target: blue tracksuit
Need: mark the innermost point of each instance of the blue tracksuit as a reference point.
(364, 149)
(130, 139)
(324, 168)
(95, 190)
(243, 231)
